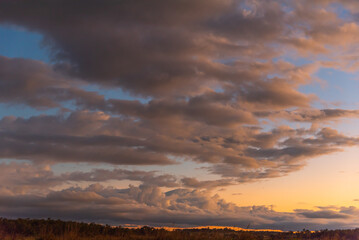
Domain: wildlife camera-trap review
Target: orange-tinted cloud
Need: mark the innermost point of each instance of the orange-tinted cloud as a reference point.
(202, 76)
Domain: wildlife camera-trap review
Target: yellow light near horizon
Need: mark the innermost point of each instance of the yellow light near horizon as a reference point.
(326, 180)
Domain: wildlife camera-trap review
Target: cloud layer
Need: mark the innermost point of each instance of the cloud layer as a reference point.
(147, 203)
(213, 83)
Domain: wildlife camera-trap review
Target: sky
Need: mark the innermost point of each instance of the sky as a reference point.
(181, 113)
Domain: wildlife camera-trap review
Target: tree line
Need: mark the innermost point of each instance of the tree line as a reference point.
(48, 229)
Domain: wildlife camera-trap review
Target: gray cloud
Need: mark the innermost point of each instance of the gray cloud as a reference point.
(150, 205)
(209, 184)
(325, 214)
(127, 45)
(130, 43)
(310, 115)
(26, 178)
(211, 71)
(246, 154)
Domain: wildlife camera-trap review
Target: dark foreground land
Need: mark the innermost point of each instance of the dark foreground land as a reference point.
(26, 229)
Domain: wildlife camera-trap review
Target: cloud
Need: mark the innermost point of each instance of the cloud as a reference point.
(150, 205)
(142, 37)
(194, 183)
(49, 138)
(310, 115)
(36, 84)
(236, 194)
(246, 154)
(98, 175)
(322, 214)
(202, 77)
(41, 86)
(128, 44)
(25, 178)
(195, 109)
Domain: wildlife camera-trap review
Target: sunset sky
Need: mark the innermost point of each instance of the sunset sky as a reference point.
(181, 113)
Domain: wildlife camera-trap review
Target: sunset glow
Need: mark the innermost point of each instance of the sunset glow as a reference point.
(181, 113)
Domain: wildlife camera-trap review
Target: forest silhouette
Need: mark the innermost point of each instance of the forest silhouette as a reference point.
(40, 229)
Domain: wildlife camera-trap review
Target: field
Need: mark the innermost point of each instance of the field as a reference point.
(26, 229)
